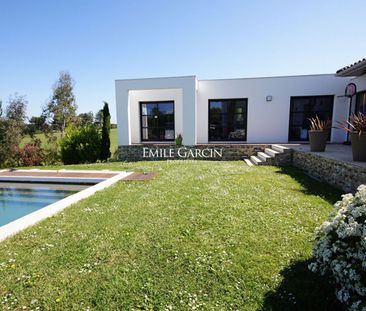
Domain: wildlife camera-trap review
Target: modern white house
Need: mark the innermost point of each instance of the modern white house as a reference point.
(234, 111)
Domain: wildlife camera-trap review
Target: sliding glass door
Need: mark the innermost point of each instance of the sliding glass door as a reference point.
(361, 102)
(228, 119)
(305, 107)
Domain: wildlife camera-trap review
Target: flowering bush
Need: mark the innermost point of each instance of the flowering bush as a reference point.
(340, 249)
(30, 155)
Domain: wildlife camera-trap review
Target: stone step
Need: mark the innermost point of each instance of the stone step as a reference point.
(263, 156)
(279, 148)
(272, 153)
(250, 163)
(256, 160)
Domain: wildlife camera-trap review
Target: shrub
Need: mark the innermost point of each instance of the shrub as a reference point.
(357, 123)
(30, 155)
(316, 124)
(80, 145)
(179, 140)
(51, 155)
(340, 249)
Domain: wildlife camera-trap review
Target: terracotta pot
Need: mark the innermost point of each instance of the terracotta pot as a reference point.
(318, 140)
(358, 146)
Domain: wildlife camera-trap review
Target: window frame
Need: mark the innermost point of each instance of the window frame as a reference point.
(156, 102)
(245, 118)
(312, 97)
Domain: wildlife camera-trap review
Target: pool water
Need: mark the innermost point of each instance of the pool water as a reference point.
(20, 199)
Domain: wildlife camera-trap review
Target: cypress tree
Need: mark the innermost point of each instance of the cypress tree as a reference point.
(105, 152)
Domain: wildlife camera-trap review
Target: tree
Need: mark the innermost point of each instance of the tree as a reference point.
(15, 118)
(105, 152)
(98, 118)
(61, 110)
(36, 124)
(86, 118)
(12, 126)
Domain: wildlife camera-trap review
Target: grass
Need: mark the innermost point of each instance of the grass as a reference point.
(44, 141)
(200, 236)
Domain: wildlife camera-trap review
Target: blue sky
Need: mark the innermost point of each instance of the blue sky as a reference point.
(100, 41)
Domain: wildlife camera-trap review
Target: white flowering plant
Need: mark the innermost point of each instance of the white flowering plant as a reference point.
(340, 250)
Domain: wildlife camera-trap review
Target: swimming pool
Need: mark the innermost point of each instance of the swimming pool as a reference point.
(30, 196)
(20, 199)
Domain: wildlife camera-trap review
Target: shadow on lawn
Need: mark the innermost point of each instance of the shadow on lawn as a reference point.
(300, 290)
(312, 186)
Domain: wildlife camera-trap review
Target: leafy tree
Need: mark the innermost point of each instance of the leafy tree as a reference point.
(15, 115)
(12, 126)
(36, 124)
(61, 110)
(105, 152)
(98, 118)
(86, 118)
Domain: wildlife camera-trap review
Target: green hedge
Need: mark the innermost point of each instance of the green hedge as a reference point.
(80, 145)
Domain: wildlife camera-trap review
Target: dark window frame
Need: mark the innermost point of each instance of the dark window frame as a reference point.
(156, 102)
(358, 95)
(245, 116)
(312, 97)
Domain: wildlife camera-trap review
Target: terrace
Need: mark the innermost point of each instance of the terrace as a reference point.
(334, 166)
(337, 152)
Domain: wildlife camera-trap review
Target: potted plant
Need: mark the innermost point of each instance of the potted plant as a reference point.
(179, 140)
(318, 134)
(356, 127)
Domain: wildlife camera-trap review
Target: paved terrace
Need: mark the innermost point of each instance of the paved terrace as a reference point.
(337, 152)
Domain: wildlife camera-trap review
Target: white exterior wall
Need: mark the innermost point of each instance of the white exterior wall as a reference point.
(268, 122)
(130, 92)
(135, 97)
(360, 83)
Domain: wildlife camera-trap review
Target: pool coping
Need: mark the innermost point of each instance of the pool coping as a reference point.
(34, 175)
(31, 219)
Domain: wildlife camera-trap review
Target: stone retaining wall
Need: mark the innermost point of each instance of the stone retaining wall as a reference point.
(197, 152)
(343, 175)
(281, 159)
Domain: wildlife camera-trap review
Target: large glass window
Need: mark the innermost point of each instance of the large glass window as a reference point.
(305, 107)
(228, 119)
(157, 121)
(361, 102)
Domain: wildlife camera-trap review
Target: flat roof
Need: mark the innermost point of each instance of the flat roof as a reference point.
(272, 77)
(153, 78)
(237, 78)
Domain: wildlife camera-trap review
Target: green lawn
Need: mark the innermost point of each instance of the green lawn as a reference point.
(200, 236)
(42, 137)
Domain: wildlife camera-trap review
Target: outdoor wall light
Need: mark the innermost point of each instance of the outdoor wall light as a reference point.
(269, 98)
